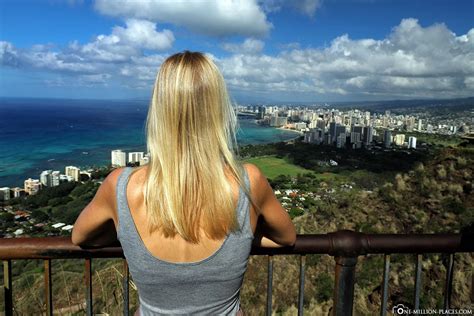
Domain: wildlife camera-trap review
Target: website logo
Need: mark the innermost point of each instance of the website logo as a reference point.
(400, 309)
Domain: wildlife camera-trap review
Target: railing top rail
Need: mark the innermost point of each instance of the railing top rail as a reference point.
(341, 243)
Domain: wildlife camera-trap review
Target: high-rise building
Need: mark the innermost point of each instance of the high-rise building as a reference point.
(50, 178)
(332, 131)
(45, 178)
(55, 178)
(328, 139)
(119, 158)
(145, 159)
(355, 137)
(134, 157)
(340, 129)
(73, 172)
(420, 125)
(341, 140)
(399, 139)
(278, 121)
(274, 120)
(368, 135)
(32, 186)
(261, 112)
(321, 124)
(300, 126)
(387, 138)
(357, 129)
(4, 194)
(314, 136)
(367, 115)
(412, 142)
(410, 123)
(18, 192)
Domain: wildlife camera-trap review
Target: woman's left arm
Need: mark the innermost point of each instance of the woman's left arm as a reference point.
(95, 226)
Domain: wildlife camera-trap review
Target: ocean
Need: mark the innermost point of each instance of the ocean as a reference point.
(41, 134)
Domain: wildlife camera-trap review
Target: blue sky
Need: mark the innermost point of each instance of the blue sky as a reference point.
(274, 50)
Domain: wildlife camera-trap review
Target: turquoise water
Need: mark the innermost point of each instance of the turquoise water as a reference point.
(40, 134)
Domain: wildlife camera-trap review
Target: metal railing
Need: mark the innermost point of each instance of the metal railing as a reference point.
(345, 246)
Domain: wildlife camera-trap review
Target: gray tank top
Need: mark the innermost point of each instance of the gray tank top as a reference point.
(207, 287)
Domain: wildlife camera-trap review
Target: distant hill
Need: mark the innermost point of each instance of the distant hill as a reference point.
(461, 103)
(464, 103)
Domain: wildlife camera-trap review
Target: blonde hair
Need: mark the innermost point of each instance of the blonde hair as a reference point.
(191, 140)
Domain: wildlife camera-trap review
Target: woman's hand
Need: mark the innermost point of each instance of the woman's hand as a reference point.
(260, 237)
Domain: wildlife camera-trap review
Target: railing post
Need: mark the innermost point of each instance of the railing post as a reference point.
(448, 286)
(386, 276)
(344, 285)
(126, 288)
(88, 284)
(48, 293)
(417, 289)
(269, 285)
(7, 287)
(301, 286)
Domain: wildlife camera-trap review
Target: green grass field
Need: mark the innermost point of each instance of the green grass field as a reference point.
(273, 167)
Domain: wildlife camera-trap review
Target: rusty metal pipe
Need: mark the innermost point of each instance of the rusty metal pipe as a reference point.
(341, 243)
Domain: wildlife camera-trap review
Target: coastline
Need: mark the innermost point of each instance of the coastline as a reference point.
(299, 134)
(100, 157)
(289, 130)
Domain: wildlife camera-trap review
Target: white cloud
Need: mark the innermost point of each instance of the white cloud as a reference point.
(412, 61)
(307, 7)
(125, 42)
(249, 46)
(97, 62)
(212, 17)
(8, 54)
(141, 33)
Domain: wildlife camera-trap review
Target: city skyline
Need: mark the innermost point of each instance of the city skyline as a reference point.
(344, 129)
(267, 50)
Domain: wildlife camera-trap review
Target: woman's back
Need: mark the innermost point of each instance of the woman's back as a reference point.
(177, 277)
(185, 221)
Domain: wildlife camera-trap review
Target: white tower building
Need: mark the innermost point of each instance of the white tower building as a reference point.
(45, 178)
(412, 142)
(73, 172)
(4, 194)
(135, 156)
(32, 186)
(119, 158)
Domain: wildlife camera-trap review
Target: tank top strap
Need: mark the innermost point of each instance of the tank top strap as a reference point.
(125, 221)
(243, 207)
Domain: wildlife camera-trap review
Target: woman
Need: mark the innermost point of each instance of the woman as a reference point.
(186, 221)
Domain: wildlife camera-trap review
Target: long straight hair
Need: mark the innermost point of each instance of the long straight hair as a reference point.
(191, 140)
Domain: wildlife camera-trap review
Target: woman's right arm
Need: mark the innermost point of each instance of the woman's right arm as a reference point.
(274, 222)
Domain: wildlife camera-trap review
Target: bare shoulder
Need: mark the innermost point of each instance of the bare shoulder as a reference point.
(111, 180)
(258, 183)
(254, 173)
